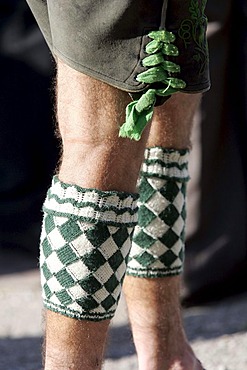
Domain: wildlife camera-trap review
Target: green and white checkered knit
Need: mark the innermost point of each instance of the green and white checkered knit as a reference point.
(158, 243)
(85, 242)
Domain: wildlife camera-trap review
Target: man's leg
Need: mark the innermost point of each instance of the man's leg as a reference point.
(156, 258)
(74, 239)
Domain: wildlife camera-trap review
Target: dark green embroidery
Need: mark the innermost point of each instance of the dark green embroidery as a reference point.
(192, 30)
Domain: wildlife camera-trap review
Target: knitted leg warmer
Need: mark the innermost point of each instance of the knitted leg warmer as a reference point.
(85, 242)
(158, 242)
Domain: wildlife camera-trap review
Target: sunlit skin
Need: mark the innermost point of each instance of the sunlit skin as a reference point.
(89, 114)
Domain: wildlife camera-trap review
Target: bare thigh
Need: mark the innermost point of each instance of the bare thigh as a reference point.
(172, 122)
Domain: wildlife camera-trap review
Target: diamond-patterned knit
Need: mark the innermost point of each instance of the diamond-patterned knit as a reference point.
(85, 242)
(158, 243)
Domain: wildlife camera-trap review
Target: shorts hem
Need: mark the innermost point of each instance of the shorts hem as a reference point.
(97, 75)
(200, 88)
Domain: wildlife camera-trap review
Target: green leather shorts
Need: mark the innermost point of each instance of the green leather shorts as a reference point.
(106, 39)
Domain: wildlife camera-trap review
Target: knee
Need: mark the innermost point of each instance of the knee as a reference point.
(109, 165)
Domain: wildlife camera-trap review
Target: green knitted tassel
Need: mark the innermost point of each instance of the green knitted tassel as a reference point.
(140, 112)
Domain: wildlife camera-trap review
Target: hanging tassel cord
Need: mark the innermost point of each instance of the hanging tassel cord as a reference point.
(159, 70)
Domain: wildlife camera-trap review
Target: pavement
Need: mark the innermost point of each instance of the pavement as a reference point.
(217, 332)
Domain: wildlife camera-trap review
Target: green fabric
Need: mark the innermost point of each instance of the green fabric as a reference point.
(158, 242)
(85, 242)
(140, 112)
